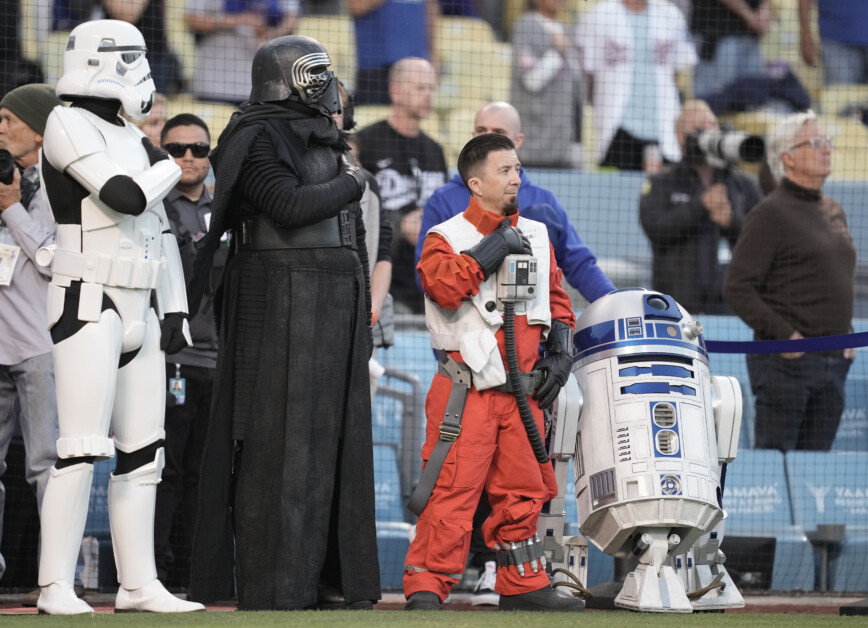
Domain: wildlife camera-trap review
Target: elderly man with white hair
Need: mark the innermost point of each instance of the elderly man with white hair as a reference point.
(791, 276)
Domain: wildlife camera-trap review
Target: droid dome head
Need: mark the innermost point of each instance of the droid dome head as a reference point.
(295, 68)
(106, 59)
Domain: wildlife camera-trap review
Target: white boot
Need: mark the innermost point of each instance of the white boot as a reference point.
(64, 513)
(152, 598)
(132, 497)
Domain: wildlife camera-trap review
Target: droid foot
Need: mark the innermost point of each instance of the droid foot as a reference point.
(545, 599)
(152, 598)
(58, 598)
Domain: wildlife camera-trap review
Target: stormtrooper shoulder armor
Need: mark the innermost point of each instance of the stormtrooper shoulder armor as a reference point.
(76, 146)
(70, 136)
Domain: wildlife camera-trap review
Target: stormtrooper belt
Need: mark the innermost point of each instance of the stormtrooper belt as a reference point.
(261, 234)
(450, 427)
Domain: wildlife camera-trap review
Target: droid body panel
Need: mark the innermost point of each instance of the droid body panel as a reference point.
(653, 433)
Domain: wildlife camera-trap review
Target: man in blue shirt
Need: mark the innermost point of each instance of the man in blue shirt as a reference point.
(534, 202)
(573, 257)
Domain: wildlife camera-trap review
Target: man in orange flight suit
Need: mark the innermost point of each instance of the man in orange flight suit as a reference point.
(490, 448)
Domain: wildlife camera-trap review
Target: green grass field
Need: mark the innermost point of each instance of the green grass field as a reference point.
(311, 619)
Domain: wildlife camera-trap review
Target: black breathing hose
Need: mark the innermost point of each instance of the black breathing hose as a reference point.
(517, 383)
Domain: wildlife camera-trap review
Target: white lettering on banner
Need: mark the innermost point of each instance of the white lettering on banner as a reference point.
(854, 424)
(819, 493)
(853, 499)
(761, 498)
(383, 492)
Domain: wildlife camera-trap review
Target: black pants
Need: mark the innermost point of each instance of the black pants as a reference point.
(177, 493)
(626, 151)
(799, 402)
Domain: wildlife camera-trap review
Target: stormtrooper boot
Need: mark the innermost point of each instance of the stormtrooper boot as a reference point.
(64, 512)
(132, 497)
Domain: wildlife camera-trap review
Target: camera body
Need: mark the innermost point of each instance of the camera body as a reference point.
(721, 149)
(7, 167)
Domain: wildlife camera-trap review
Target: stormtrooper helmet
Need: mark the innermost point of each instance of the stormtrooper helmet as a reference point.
(295, 67)
(106, 59)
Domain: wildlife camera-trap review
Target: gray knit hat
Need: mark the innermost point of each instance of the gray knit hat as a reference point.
(32, 103)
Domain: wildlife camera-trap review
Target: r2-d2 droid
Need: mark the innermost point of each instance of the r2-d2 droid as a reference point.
(652, 436)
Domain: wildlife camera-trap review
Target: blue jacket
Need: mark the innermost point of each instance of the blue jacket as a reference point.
(534, 202)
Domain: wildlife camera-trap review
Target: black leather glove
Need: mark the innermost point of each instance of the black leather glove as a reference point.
(351, 168)
(491, 250)
(172, 332)
(557, 365)
(155, 153)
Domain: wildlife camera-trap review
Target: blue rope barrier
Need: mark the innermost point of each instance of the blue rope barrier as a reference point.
(822, 343)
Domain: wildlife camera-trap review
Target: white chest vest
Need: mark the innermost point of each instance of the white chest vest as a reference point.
(470, 329)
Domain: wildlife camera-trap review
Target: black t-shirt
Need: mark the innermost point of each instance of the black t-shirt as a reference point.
(408, 170)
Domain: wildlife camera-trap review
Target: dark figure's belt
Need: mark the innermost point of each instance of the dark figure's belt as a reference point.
(261, 234)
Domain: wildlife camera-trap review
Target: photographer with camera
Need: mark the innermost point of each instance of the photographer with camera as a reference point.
(688, 208)
(26, 224)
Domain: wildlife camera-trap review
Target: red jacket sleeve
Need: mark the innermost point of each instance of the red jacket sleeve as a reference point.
(447, 277)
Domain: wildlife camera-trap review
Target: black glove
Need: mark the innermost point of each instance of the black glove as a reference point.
(171, 332)
(556, 366)
(491, 250)
(155, 153)
(349, 166)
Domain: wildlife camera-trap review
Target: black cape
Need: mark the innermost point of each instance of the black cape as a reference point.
(292, 504)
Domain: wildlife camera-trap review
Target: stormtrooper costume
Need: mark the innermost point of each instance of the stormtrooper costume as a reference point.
(115, 258)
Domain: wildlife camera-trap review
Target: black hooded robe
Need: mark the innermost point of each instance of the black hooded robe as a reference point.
(287, 485)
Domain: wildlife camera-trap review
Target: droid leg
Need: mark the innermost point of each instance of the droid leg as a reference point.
(138, 425)
(84, 408)
(654, 585)
(708, 583)
(567, 558)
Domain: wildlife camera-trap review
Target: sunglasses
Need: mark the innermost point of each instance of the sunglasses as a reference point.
(178, 150)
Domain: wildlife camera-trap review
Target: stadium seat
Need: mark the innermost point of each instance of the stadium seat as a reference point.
(28, 35)
(830, 488)
(181, 40)
(757, 502)
(392, 532)
(51, 55)
(853, 429)
(393, 541)
(460, 41)
(457, 130)
(835, 98)
(781, 43)
(387, 484)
